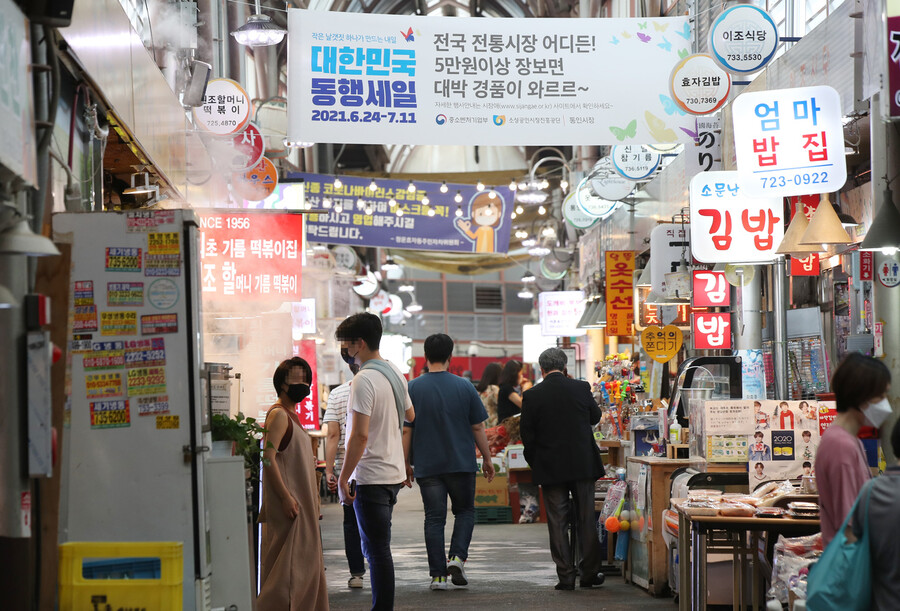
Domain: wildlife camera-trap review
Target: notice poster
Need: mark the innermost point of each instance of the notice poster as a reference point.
(146, 381)
(727, 425)
(784, 442)
(396, 79)
(109, 414)
(250, 256)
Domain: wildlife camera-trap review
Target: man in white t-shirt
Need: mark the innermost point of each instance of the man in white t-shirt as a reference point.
(374, 457)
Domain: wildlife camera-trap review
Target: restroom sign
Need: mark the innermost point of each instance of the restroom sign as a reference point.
(889, 272)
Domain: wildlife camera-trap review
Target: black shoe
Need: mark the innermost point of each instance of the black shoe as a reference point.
(597, 580)
(564, 586)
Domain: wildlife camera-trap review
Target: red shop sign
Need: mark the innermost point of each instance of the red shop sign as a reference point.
(711, 331)
(710, 290)
(808, 266)
(866, 265)
(308, 409)
(251, 256)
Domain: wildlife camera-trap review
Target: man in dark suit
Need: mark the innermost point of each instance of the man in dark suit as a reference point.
(556, 421)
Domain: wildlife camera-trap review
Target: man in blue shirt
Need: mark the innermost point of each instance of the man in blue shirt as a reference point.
(449, 424)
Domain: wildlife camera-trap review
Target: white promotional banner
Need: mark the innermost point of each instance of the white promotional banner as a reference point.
(560, 312)
(400, 79)
(727, 226)
(789, 142)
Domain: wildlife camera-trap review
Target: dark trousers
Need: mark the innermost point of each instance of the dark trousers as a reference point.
(352, 543)
(374, 506)
(435, 489)
(558, 504)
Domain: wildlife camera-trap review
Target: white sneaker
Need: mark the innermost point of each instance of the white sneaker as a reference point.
(356, 581)
(457, 570)
(439, 583)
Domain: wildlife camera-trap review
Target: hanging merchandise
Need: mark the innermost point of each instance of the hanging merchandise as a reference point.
(743, 39)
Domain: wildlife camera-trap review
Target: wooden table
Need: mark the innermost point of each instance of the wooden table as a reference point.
(615, 451)
(659, 478)
(702, 534)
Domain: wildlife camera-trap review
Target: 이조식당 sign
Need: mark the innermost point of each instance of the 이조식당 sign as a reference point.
(743, 38)
(727, 226)
(789, 142)
(396, 79)
(251, 256)
(619, 291)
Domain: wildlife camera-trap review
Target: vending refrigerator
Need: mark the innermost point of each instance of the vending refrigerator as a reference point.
(135, 436)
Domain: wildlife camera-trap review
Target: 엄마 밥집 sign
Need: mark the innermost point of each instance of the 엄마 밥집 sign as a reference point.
(743, 38)
(396, 79)
(460, 219)
(789, 142)
(893, 52)
(619, 265)
(727, 226)
(251, 256)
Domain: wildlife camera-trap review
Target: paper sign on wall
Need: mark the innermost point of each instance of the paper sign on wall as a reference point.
(560, 312)
(402, 80)
(789, 141)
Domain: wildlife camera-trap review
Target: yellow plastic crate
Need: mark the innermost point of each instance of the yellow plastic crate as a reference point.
(125, 559)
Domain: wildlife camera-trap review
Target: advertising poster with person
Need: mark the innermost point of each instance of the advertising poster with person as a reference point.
(784, 444)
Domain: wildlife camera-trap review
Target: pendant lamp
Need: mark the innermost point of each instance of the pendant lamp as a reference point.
(884, 234)
(600, 317)
(790, 244)
(825, 226)
(7, 299)
(644, 279)
(589, 307)
(21, 240)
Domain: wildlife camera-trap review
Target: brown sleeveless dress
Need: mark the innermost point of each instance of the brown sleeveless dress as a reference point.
(293, 570)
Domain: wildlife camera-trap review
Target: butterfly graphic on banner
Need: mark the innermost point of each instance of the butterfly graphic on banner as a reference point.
(682, 53)
(630, 131)
(670, 106)
(660, 27)
(658, 128)
(642, 25)
(693, 134)
(685, 32)
(643, 37)
(614, 40)
(665, 44)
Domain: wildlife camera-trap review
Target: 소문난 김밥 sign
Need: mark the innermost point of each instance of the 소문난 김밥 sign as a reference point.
(392, 79)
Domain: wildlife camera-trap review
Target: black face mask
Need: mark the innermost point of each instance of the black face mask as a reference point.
(350, 360)
(297, 392)
(354, 368)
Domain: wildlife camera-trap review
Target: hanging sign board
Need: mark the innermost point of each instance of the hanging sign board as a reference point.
(225, 108)
(662, 344)
(609, 184)
(706, 153)
(789, 142)
(591, 204)
(866, 265)
(634, 162)
(727, 226)
(395, 79)
(808, 266)
(575, 216)
(743, 39)
(560, 312)
(667, 243)
(711, 331)
(893, 52)
(247, 148)
(698, 85)
(619, 292)
(257, 183)
(710, 290)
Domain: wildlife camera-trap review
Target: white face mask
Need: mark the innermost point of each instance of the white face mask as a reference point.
(877, 413)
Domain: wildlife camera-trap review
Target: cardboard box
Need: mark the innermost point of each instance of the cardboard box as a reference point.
(491, 494)
(515, 457)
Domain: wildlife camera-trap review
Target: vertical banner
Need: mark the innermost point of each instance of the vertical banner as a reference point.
(711, 331)
(866, 265)
(893, 41)
(619, 292)
(710, 290)
(399, 79)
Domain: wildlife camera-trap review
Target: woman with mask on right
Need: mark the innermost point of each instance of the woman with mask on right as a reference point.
(860, 384)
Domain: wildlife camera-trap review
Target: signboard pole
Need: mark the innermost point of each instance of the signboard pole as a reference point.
(779, 281)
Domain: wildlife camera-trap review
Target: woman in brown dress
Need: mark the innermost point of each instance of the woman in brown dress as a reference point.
(293, 570)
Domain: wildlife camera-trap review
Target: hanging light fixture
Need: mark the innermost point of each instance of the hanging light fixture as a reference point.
(259, 31)
(542, 210)
(425, 199)
(459, 211)
(19, 239)
(7, 299)
(644, 278)
(431, 211)
(527, 277)
(411, 187)
(513, 185)
(458, 197)
(360, 203)
(600, 316)
(406, 288)
(492, 193)
(338, 208)
(369, 210)
(564, 185)
(587, 316)
(337, 183)
(392, 202)
(326, 202)
(884, 234)
(479, 186)
(513, 215)
(389, 264)
(399, 211)
(444, 187)
(790, 243)
(143, 188)
(825, 227)
(373, 186)
(414, 306)
(519, 209)
(525, 293)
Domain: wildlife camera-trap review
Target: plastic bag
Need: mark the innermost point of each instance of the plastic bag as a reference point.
(790, 565)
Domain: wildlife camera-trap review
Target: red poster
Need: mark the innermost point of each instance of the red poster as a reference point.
(893, 50)
(251, 256)
(866, 265)
(826, 417)
(711, 289)
(711, 331)
(808, 266)
(308, 409)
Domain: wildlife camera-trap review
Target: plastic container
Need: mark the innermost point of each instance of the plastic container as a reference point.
(675, 433)
(115, 575)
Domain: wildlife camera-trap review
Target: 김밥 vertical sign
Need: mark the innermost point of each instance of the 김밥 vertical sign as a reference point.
(807, 266)
(789, 142)
(711, 330)
(727, 226)
(392, 79)
(560, 312)
(619, 292)
(251, 256)
(710, 289)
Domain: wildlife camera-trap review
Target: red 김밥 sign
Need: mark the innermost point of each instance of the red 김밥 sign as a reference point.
(308, 409)
(251, 256)
(711, 331)
(711, 289)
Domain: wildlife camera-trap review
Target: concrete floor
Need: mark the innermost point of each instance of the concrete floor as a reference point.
(509, 566)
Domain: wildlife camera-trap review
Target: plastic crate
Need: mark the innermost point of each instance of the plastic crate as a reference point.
(118, 576)
(493, 515)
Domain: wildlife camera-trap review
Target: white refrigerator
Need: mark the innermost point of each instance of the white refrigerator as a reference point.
(135, 436)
